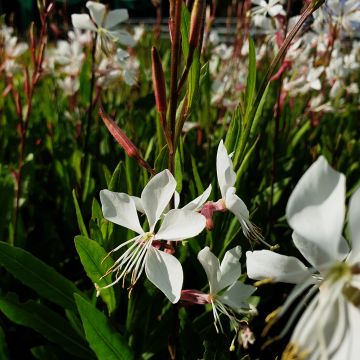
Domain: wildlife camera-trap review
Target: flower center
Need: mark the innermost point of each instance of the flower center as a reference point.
(340, 270)
(147, 237)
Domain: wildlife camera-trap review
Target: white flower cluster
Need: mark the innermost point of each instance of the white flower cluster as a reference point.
(323, 61)
(11, 50)
(152, 248)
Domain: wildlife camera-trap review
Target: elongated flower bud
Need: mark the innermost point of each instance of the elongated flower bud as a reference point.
(124, 141)
(158, 81)
(197, 14)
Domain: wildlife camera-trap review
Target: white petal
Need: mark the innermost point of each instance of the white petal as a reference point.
(115, 17)
(211, 265)
(122, 55)
(197, 203)
(239, 209)
(230, 267)
(82, 21)
(123, 37)
(120, 209)
(349, 348)
(179, 224)
(237, 295)
(20, 49)
(310, 251)
(236, 205)
(316, 209)
(165, 272)
(354, 225)
(138, 204)
(265, 264)
(156, 195)
(276, 10)
(97, 12)
(224, 168)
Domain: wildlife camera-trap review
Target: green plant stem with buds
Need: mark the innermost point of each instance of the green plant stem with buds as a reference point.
(271, 70)
(175, 57)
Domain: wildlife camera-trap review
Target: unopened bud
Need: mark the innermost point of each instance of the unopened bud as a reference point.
(197, 15)
(124, 141)
(158, 81)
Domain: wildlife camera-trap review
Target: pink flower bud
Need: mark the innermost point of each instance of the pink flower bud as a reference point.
(158, 81)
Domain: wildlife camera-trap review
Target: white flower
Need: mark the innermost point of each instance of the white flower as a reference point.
(273, 8)
(315, 211)
(70, 85)
(226, 295)
(104, 23)
(12, 50)
(161, 268)
(226, 178)
(346, 13)
(70, 56)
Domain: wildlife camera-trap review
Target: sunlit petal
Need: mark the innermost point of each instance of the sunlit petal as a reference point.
(179, 224)
(156, 196)
(165, 272)
(316, 207)
(120, 209)
(264, 264)
(224, 168)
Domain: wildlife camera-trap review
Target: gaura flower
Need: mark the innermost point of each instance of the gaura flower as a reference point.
(229, 200)
(315, 211)
(161, 268)
(104, 23)
(273, 8)
(226, 295)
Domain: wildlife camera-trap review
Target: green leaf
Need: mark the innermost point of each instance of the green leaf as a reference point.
(117, 182)
(96, 213)
(198, 182)
(161, 161)
(95, 232)
(194, 80)
(46, 322)
(259, 110)
(92, 257)
(251, 79)
(87, 179)
(106, 343)
(4, 354)
(178, 172)
(48, 352)
(39, 276)
(185, 27)
(79, 216)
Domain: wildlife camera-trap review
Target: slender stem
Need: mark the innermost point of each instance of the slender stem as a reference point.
(37, 58)
(91, 94)
(175, 57)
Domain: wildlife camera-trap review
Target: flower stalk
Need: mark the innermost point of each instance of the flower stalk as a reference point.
(37, 55)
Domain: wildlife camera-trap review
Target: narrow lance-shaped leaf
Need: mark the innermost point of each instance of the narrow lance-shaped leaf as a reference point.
(46, 322)
(4, 354)
(106, 343)
(92, 257)
(39, 276)
(79, 216)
